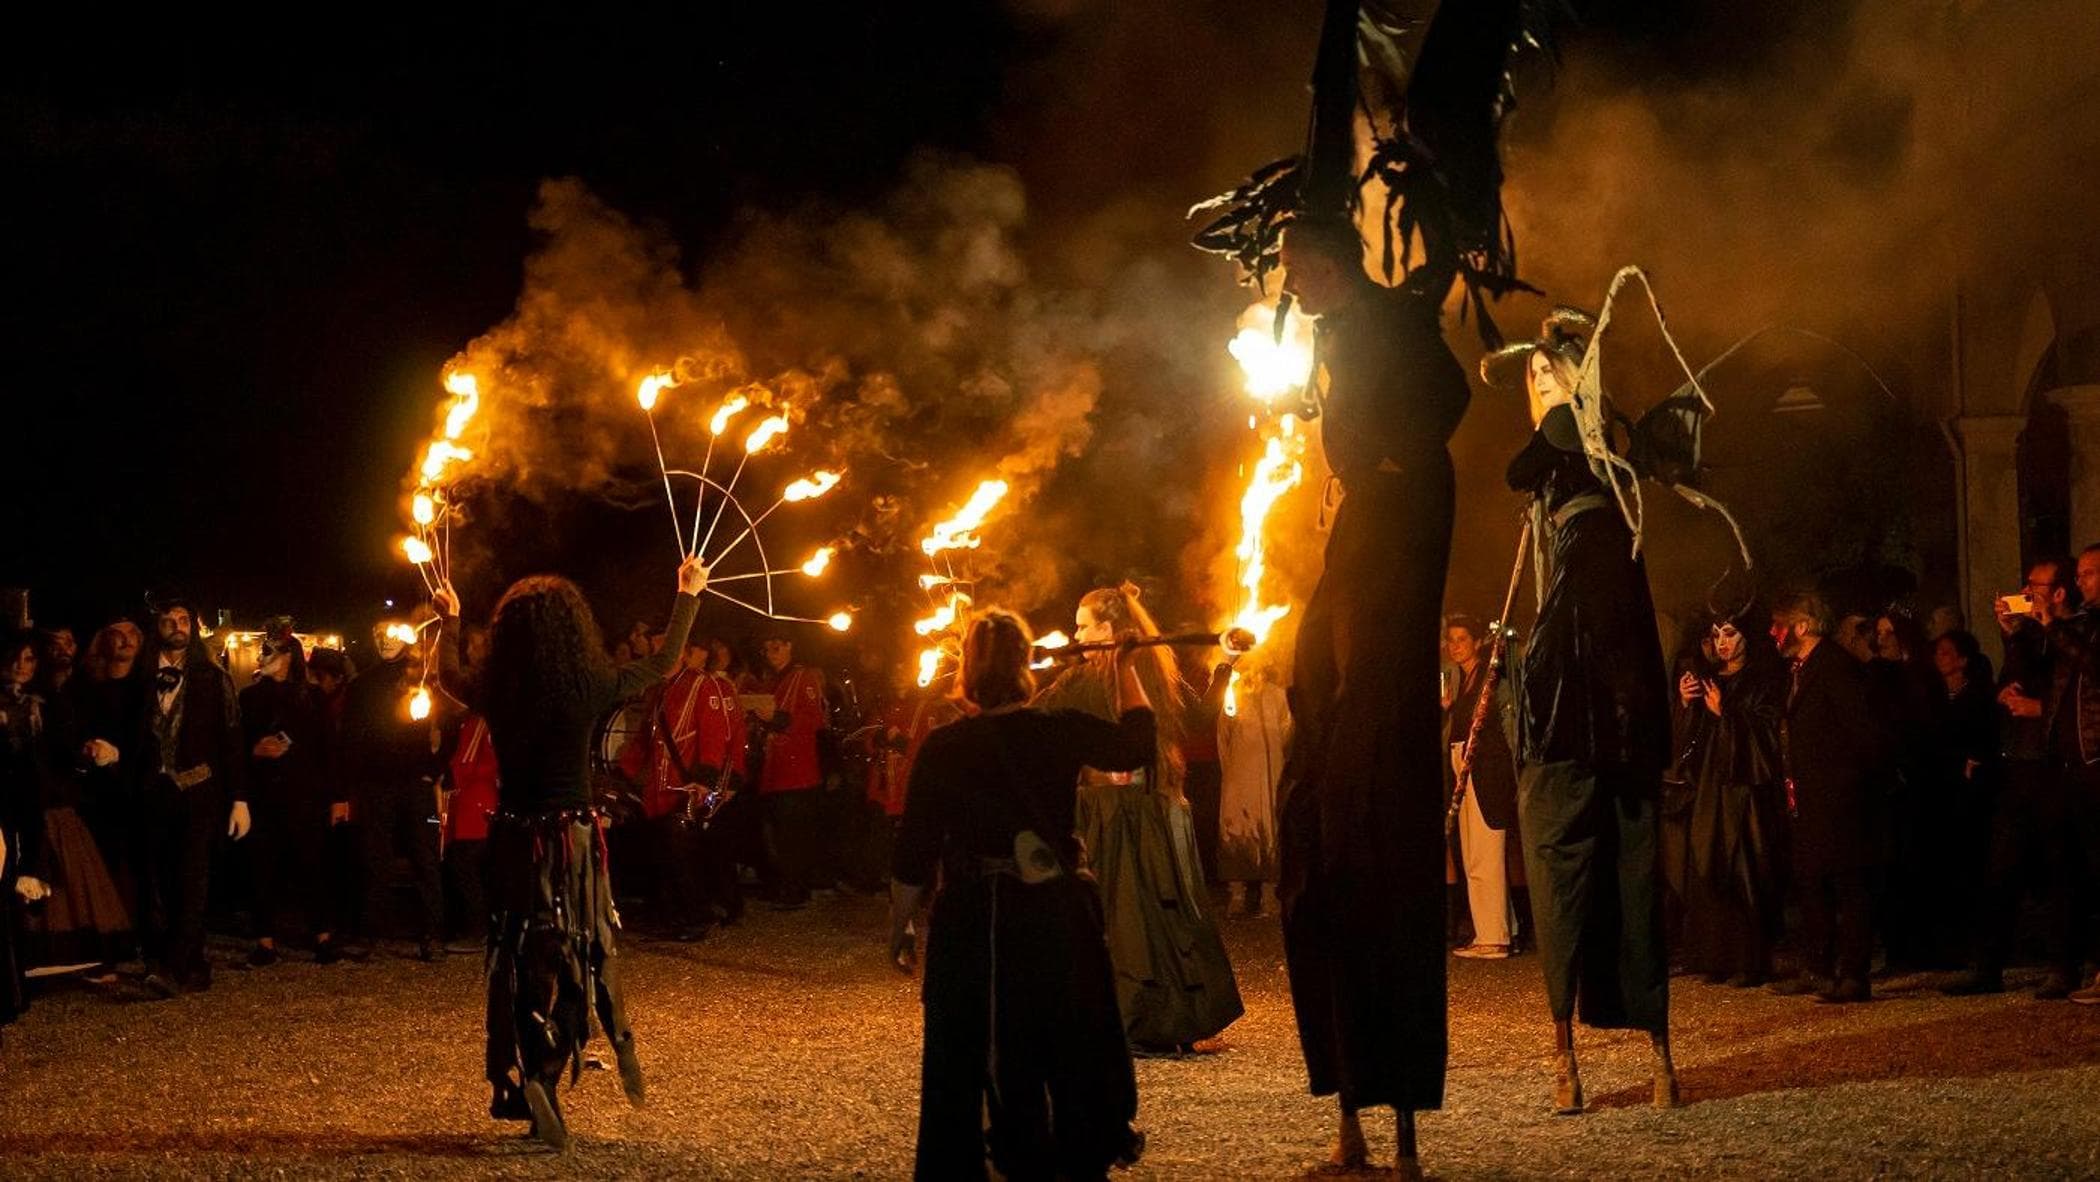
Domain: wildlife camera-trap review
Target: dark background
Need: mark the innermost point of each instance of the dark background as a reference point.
(238, 247)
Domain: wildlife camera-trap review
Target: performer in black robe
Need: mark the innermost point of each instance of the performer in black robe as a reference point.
(1021, 1018)
(1728, 751)
(1595, 733)
(1362, 830)
(551, 957)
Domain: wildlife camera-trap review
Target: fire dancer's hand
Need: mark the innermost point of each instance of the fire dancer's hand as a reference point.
(445, 600)
(339, 813)
(31, 889)
(237, 824)
(272, 747)
(1687, 688)
(1711, 691)
(100, 752)
(692, 577)
(1127, 643)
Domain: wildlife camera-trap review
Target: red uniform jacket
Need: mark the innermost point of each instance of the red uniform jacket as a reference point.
(473, 783)
(911, 721)
(791, 755)
(706, 722)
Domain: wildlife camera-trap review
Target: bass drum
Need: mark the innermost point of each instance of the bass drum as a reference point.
(617, 794)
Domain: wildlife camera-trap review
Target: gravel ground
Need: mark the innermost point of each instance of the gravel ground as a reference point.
(785, 1048)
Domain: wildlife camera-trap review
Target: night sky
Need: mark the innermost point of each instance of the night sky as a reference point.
(240, 249)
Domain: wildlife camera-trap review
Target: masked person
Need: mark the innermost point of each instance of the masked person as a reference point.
(293, 792)
(391, 771)
(1729, 716)
(552, 960)
(1174, 982)
(1024, 1054)
(195, 775)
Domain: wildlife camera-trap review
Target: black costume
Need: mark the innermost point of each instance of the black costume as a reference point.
(114, 711)
(290, 797)
(1361, 821)
(1594, 723)
(1731, 761)
(1021, 1017)
(194, 769)
(1833, 744)
(390, 771)
(551, 957)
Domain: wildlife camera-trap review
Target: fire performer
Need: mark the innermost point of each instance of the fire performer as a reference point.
(1174, 983)
(1022, 1033)
(551, 956)
(1594, 726)
(1362, 815)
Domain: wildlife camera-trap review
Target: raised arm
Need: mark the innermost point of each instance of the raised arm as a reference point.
(636, 675)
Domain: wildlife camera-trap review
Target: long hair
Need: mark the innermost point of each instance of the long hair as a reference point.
(545, 654)
(1121, 608)
(995, 669)
(1565, 372)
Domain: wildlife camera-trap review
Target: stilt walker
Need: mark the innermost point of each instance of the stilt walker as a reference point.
(1362, 796)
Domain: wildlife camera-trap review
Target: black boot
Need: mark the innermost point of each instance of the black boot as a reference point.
(630, 1070)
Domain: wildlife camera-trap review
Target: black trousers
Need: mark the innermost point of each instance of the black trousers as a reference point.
(795, 835)
(2033, 843)
(180, 826)
(402, 815)
(466, 888)
(294, 879)
(682, 880)
(1837, 925)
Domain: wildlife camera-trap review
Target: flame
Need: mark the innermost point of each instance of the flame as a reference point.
(1054, 640)
(816, 484)
(731, 407)
(653, 387)
(929, 582)
(417, 550)
(466, 400)
(818, 561)
(401, 632)
(419, 704)
(764, 433)
(1276, 473)
(423, 509)
(1269, 367)
(840, 621)
(959, 531)
(441, 455)
(944, 617)
(929, 666)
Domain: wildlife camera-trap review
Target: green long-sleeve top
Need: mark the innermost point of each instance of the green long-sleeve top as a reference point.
(545, 760)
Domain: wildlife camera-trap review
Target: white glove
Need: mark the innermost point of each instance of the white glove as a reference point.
(31, 889)
(102, 752)
(237, 825)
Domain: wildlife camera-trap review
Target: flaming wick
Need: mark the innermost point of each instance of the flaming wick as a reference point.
(646, 394)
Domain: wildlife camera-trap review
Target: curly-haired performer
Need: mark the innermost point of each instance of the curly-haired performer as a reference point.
(551, 959)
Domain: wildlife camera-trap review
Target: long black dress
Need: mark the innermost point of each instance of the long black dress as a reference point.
(551, 956)
(290, 796)
(1732, 881)
(1021, 1017)
(1594, 723)
(1362, 818)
